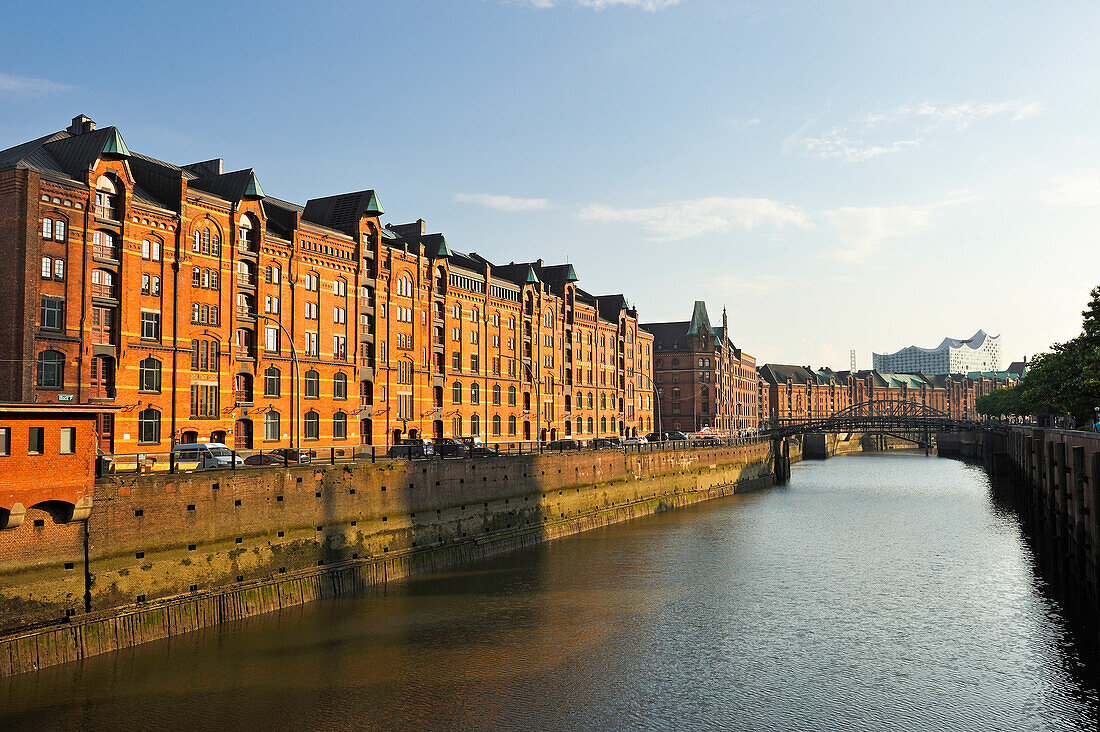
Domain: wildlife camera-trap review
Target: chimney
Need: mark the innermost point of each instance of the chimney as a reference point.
(80, 125)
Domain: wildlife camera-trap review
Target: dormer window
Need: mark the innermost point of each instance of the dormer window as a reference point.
(106, 198)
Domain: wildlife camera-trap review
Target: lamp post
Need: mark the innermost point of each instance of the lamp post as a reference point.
(538, 395)
(657, 392)
(297, 440)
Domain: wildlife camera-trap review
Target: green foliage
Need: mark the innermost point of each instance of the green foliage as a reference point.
(1066, 380)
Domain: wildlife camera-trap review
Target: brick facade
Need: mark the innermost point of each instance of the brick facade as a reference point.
(799, 393)
(705, 381)
(182, 294)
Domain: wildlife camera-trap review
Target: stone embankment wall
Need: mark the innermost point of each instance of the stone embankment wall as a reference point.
(168, 554)
(1053, 476)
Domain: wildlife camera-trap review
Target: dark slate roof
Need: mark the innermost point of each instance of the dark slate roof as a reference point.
(231, 186)
(33, 155)
(610, 307)
(1017, 367)
(668, 336)
(77, 154)
(281, 216)
(344, 211)
(777, 373)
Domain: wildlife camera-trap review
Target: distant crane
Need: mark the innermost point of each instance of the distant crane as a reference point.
(852, 360)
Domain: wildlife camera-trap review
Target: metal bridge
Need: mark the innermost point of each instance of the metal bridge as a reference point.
(908, 420)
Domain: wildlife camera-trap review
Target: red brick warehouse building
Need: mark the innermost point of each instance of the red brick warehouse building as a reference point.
(181, 294)
(705, 381)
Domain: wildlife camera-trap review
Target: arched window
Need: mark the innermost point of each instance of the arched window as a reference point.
(475, 394)
(104, 245)
(456, 393)
(312, 388)
(475, 425)
(312, 425)
(404, 287)
(548, 319)
(148, 426)
(603, 424)
(149, 375)
(591, 401)
(204, 355)
(456, 426)
(271, 426)
(512, 425)
(271, 382)
(51, 370)
(496, 395)
(107, 198)
(103, 284)
(339, 426)
(511, 396)
(496, 425)
(475, 316)
(580, 426)
(590, 425)
(247, 235)
(340, 386)
(580, 400)
(603, 401)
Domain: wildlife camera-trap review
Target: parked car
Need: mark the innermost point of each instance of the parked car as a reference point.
(563, 444)
(293, 455)
(656, 437)
(603, 442)
(707, 440)
(483, 451)
(264, 458)
(634, 441)
(676, 436)
(449, 447)
(410, 449)
(207, 455)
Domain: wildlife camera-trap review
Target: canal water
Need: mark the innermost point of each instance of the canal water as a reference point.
(873, 592)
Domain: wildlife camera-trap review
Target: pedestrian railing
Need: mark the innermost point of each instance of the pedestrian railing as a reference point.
(171, 462)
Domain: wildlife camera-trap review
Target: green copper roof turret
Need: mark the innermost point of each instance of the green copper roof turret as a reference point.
(252, 188)
(699, 319)
(374, 206)
(115, 145)
(531, 278)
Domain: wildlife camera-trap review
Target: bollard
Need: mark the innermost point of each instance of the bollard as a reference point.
(332, 456)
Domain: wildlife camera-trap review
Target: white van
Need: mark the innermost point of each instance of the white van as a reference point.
(205, 454)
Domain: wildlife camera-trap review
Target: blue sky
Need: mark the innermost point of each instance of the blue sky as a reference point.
(839, 175)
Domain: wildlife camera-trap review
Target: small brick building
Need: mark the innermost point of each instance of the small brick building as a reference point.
(47, 458)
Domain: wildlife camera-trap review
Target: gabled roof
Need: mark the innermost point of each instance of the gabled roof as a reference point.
(778, 373)
(78, 154)
(231, 186)
(344, 211)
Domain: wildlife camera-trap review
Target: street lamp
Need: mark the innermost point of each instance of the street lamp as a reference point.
(297, 382)
(657, 392)
(538, 395)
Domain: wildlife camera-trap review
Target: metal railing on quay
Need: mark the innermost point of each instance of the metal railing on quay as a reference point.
(191, 460)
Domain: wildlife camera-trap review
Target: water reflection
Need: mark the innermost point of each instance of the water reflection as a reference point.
(888, 591)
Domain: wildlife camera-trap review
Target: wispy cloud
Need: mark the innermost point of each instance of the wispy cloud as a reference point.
(861, 230)
(849, 233)
(901, 127)
(503, 203)
(1072, 191)
(650, 6)
(686, 219)
(27, 86)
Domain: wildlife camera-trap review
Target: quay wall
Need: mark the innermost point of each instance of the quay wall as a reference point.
(166, 554)
(1053, 477)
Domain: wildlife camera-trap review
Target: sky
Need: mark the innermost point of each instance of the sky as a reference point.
(841, 175)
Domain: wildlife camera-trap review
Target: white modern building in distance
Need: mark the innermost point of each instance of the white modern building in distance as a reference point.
(980, 352)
